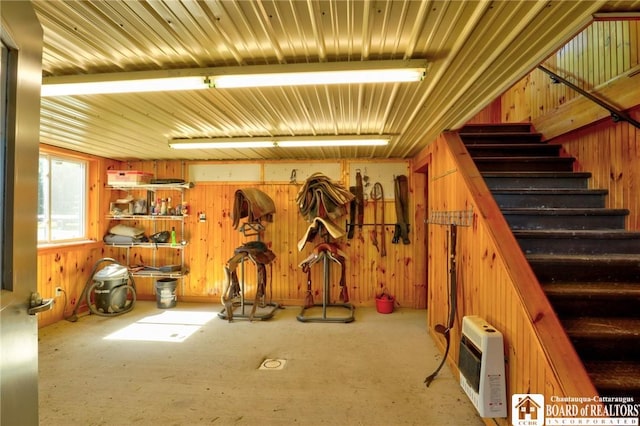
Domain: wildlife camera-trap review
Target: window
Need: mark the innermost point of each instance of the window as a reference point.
(62, 199)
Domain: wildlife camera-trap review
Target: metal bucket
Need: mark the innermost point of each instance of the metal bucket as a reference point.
(166, 293)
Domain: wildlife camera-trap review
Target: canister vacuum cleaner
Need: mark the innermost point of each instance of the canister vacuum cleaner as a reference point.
(108, 292)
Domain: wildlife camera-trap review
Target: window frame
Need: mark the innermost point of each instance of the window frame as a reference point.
(90, 169)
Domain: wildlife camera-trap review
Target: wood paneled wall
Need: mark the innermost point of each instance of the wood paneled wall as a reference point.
(611, 153)
(69, 266)
(604, 59)
(211, 243)
(494, 280)
(603, 52)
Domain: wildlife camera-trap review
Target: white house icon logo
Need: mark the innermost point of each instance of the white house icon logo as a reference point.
(527, 409)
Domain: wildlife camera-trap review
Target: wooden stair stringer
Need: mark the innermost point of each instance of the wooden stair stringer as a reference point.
(563, 360)
(581, 253)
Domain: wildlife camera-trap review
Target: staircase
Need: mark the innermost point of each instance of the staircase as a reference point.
(587, 263)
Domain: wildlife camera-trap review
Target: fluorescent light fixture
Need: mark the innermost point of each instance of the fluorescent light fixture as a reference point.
(282, 142)
(219, 144)
(125, 86)
(319, 77)
(331, 142)
(356, 72)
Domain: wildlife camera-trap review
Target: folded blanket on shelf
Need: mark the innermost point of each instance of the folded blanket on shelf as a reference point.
(126, 231)
(124, 239)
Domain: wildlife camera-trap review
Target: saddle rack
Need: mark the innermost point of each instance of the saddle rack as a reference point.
(258, 311)
(251, 229)
(262, 311)
(326, 257)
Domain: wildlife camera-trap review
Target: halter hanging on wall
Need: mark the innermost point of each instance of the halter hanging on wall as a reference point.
(451, 217)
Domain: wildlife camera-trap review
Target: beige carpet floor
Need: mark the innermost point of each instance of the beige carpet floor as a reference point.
(187, 366)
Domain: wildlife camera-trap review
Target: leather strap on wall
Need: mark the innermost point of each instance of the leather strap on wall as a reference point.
(359, 199)
(377, 194)
(401, 192)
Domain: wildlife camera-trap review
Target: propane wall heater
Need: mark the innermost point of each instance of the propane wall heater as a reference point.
(481, 365)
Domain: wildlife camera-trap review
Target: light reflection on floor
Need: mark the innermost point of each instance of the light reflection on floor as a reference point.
(170, 326)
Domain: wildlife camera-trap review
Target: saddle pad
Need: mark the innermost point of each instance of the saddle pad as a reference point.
(334, 230)
(253, 204)
(321, 197)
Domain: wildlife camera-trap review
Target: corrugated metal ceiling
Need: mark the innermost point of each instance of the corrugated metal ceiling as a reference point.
(476, 49)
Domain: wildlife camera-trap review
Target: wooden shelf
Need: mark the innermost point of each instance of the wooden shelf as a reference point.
(149, 245)
(159, 274)
(145, 217)
(153, 186)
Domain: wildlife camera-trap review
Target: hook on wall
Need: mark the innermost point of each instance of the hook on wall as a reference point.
(451, 217)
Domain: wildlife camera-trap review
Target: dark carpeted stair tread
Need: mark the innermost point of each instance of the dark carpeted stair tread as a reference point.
(524, 159)
(478, 150)
(536, 179)
(525, 174)
(602, 328)
(553, 191)
(600, 290)
(608, 234)
(610, 258)
(553, 163)
(577, 241)
(559, 211)
(615, 376)
(526, 145)
(605, 267)
(472, 138)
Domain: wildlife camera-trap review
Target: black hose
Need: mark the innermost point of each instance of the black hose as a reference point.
(453, 297)
(117, 310)
(88, 289)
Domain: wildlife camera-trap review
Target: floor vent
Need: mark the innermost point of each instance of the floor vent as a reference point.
(272, 364)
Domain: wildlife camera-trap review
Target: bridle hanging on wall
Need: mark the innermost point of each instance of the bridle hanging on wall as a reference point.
(452, 219)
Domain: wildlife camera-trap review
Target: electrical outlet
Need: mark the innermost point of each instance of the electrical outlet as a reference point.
(58, 291)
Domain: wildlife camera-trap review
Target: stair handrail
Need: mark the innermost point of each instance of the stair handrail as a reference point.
(616, 114)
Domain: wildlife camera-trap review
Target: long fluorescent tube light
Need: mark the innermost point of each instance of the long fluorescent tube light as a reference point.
(319, 77)
(223, 144)
(125, 86)
(283, 142)
(355, 72)
(331, 142)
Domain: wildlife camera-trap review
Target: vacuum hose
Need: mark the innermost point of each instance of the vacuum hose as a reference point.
(453, 297)
(89, 289)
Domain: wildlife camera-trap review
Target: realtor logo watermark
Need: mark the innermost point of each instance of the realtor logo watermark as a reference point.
(531, 409)
(527, 409)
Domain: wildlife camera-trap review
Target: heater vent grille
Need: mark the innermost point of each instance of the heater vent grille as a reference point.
(470, 363)
(481, 365)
